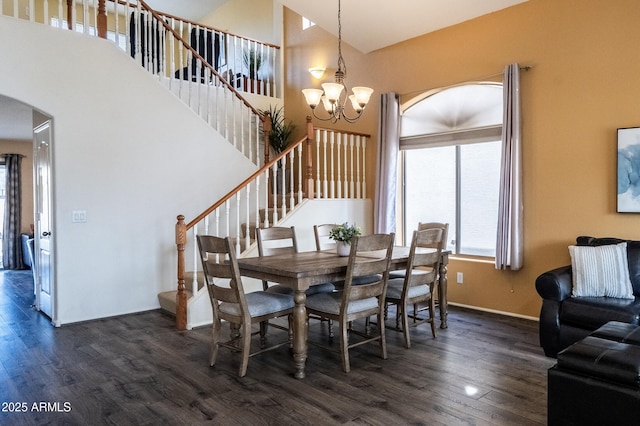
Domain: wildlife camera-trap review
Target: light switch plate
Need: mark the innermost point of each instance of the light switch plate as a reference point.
(79, 216)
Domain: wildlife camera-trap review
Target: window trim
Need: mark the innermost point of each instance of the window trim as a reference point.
(456, 137)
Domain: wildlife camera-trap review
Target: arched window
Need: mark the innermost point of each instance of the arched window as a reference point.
(450, 140)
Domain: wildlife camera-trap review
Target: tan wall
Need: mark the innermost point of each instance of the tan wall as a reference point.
(583, 86)
(25, 148)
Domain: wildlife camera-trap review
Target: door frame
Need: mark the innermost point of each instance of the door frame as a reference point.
(37, 267)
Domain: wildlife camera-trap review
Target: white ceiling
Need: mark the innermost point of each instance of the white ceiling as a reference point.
(367, 25)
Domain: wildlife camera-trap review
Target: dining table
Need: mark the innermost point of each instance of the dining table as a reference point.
(305, 269)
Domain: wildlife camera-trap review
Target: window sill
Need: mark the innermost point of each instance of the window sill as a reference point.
(475, 259)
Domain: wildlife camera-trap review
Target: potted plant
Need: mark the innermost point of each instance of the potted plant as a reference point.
(281, 131)
(342, 235)
(252, 62)
(279, 139)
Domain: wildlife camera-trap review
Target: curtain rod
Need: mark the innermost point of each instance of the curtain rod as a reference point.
(522, 68)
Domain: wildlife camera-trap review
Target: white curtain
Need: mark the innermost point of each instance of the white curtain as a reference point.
(509, 244)
(384, 218)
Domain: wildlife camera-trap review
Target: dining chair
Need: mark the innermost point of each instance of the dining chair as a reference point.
(321, 233)
(273, 241)
(370, 256)
(439, 225)
(282, 240)
(422, 227)
(241, 310)
(417, 285)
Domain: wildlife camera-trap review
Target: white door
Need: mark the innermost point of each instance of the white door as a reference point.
(43, 271)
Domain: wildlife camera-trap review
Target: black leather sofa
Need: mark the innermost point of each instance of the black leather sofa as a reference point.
(565, 320)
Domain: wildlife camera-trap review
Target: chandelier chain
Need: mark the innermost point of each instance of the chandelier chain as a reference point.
(341, 65)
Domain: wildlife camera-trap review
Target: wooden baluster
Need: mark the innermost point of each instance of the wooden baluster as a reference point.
(346, 169)
(274, 193)
(299, 163)
(247, 228)
(291, 186)
(127, 29)
(332, 179)
(102, 19)
(238, 197)
(47, 21)
(338, 172)
(227, 205)
(195, 259)
(318, 185)
(217, 217)
(257, 209)
(282, 200)
(86, 23)
(181, 296)
(358, 156)
(364, 164)
(325, 185)
(309, 173)
(351, 169)
(266, 198)
(116, 16)
(60, 14)
(172, 54)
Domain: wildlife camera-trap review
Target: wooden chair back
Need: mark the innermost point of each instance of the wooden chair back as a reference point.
(370, 256)
(321, 232)
(276, 240)
(222, 276)
(426, 246)
(438, 225)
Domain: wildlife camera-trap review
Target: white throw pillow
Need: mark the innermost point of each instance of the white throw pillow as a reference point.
(601, 271)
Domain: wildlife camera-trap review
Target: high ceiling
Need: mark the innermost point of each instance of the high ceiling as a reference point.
(367, 25)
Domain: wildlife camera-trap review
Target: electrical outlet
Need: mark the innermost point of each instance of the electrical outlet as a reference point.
(459, 277)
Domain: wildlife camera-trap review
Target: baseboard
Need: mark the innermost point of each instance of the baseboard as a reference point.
(494, 311)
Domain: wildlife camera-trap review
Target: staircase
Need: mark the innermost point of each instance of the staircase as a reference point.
(310, 182)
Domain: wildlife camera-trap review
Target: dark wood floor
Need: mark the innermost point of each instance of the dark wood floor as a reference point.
(484, 369)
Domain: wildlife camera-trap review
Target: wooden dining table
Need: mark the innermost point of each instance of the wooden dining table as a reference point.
(303, 270)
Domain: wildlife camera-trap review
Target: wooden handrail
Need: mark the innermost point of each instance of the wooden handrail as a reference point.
(346, 132)
(244, 183)
(157, 16)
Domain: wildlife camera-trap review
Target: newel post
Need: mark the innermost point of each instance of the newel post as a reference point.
(309, 171)
(102, 19)
(266, 131)
(181, 296)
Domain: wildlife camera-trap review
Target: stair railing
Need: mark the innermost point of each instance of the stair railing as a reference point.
(340, 164)
(161, 44)
(337, 157)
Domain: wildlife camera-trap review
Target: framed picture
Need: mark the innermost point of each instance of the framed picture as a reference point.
(629, 170)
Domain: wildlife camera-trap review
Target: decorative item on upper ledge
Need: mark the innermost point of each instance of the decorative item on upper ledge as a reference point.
(342, 235)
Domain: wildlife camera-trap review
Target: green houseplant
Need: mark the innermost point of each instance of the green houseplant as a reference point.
(252, 62)
(281, 131)
(342, 235)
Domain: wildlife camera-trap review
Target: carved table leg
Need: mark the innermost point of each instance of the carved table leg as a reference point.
(300, 331)
(442, 295)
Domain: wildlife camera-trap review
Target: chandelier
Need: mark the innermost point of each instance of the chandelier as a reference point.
(333, 95)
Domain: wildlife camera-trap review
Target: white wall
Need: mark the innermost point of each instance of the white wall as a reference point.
(126, 151)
